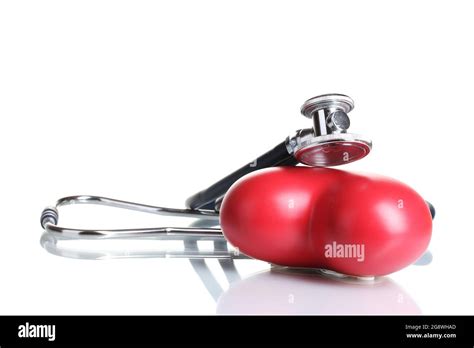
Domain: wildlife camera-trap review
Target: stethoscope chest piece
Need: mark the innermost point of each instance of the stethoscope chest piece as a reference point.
(328, 143)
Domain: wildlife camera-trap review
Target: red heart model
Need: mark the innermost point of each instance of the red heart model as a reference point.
(355, 224)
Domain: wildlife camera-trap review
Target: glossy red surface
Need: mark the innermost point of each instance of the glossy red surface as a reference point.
(355, 224)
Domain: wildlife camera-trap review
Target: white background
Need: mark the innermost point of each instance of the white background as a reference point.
(151, 101)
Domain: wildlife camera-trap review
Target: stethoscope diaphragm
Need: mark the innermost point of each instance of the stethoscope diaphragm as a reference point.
(332, 149)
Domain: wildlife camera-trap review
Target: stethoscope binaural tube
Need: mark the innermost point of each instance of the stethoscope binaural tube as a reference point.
(50, 218)
(326, 144)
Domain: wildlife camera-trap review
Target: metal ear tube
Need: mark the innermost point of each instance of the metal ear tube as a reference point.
(50, 219)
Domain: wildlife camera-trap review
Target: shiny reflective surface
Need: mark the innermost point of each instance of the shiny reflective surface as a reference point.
(287, 291)
(276, 290)
(164, 247)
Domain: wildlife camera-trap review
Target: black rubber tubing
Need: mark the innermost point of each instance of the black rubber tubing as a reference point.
(206, 199)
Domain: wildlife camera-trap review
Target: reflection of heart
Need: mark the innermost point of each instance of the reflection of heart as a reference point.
(283, 291)
(325, 218)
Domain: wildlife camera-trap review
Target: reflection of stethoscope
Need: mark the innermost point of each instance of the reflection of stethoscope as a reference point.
(276, 291)
(326, 144)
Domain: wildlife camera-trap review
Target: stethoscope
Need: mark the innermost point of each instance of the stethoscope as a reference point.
(326, 144)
